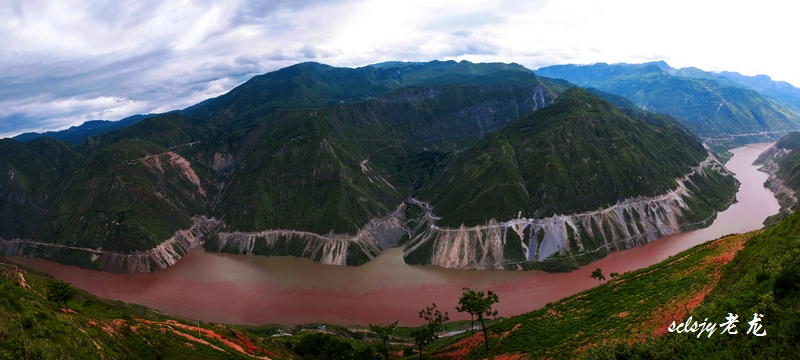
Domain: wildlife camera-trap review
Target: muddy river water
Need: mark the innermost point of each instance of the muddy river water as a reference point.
(257, 290)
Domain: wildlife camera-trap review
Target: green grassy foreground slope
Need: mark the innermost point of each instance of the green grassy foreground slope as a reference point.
(628, 317)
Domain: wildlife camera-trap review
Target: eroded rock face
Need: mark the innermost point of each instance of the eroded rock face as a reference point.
(509, 244)
(632, 223)
(769, 158)
(162, 256)
(787, 198)
(177, 162)
(223, 163)
(334, 249)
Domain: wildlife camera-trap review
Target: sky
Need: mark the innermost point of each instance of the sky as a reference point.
(64, 62)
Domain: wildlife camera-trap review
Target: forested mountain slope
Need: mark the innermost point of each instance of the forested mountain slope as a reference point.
(328, 163)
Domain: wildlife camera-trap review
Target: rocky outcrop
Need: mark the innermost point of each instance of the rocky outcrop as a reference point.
(334, 249)
(514, 243)
(177, 163)
(773, 182)
(785, 195)
(223, 163)
(162, 256)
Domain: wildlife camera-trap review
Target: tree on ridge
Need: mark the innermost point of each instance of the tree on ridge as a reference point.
(480, 305)
(598, 274)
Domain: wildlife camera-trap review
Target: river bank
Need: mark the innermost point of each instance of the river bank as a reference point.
(256, 290)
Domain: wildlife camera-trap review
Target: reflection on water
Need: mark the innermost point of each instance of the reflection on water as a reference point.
(257, 290)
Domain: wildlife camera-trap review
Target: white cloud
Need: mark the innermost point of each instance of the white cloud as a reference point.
(67, 61)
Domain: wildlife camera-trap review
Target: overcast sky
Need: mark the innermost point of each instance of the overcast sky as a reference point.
(64, 62)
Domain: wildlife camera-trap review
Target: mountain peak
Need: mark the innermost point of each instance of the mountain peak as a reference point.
(661, 64)
(578, 96)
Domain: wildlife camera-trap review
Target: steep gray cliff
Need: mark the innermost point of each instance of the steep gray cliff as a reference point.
(564, 240)
(334, 249)
(555, 243)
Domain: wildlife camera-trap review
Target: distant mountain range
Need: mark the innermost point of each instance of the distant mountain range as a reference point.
(76, 134)
(339, 164)
(711, 105)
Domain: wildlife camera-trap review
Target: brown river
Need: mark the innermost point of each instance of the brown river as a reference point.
(256, 290)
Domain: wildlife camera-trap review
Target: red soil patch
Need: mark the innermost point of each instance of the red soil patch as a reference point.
(505, 334)
(553, 313)
(508, 357)
(192, 338)
(107, 328)
(249, 346)
(461, 349)
(243, 341)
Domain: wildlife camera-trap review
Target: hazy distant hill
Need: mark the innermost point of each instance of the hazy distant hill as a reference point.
(708, 104)
(76, 134)
(778, 90)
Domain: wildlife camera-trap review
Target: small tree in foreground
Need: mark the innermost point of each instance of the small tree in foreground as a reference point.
(480, 305)
(60, 293)
(425, 335)
(383, 333)
(598, 274)
(614, 274)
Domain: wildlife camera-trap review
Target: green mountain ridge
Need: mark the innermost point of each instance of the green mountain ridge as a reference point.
(314, 85)
(558, 151)
(362, 146)
(76, 134)
(567, 184)
(312, 152)
(777, 90)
